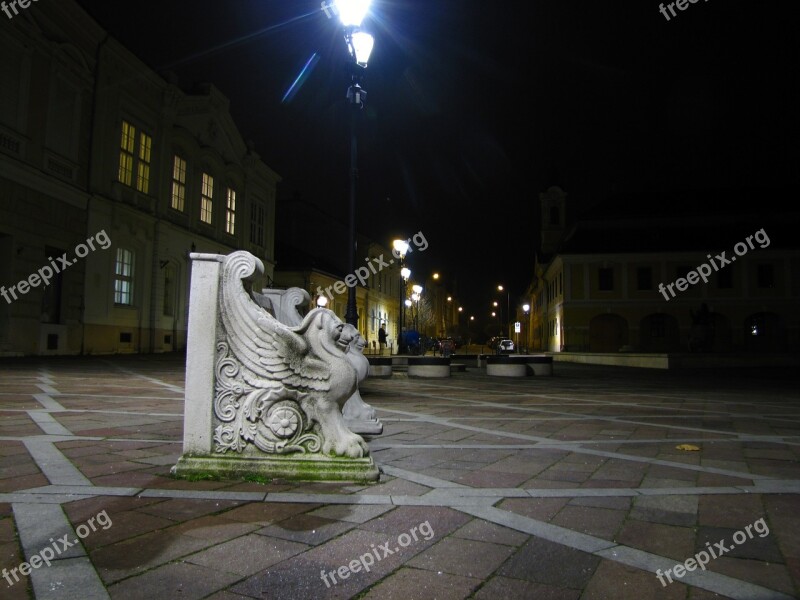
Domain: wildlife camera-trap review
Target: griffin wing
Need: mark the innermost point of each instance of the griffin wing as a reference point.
(272, 354)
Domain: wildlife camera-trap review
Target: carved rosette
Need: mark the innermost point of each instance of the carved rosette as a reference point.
(269, 418)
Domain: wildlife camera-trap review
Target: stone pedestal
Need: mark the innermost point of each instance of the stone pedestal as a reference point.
(263, 398)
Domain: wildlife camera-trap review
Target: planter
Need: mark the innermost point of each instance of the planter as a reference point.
(427, 366)
(506, 366)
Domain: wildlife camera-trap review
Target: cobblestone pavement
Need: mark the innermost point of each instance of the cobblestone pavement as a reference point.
(566, 487)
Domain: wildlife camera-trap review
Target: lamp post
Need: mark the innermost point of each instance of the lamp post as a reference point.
(359, 44)
(400, 250)
(500, 288)
(526, 309)
(416, 297)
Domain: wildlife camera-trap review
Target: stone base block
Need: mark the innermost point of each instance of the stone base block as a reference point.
(426, 366)
(380, 371)
(363, 427)
(506, 370)
(312, 467)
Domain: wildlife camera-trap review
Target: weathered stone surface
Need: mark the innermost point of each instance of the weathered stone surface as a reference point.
(263, 397)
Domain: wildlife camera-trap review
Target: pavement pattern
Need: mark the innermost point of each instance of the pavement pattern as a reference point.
(562, 487)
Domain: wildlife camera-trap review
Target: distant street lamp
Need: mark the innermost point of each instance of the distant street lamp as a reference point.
(401, 249)
(416, 297)
(359, 44)
(500, 288)
(526, 309)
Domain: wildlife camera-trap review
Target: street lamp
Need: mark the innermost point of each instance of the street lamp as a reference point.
(500, 288)
(416, 296)
(359, 44)
(401, 249)
(526, 309)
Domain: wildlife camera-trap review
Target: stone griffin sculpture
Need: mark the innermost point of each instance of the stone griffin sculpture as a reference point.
(358, 415)
(280, 389)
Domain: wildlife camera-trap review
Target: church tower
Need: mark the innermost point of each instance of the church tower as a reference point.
(553, 205)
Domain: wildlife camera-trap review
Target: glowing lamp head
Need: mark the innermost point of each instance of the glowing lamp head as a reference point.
(417, 289)
(352, 12)
(322, 301)
(401, 246)
(360, 46)
(405, 272)
(526, 307)
(408, 303)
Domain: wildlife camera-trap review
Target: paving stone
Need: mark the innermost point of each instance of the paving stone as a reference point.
(467, 558)
(516, 589)
(664, 540)
(480, 530)
(266, 513)
(443, 520)
(179, 580)
(542, 509)
(546, 562)
(351, 513)
(762, 548)
(600, 522)
(181, 509)
(416, 584)
(621, 582)
(307, 529)
(247, 555)
(143, 553)
(670, 510)
(769, 575)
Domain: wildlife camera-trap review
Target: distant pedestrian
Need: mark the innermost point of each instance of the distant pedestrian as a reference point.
(382, 338)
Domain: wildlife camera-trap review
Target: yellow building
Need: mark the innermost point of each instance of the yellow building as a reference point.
(662, 275)
(121, 174)
(377, 298)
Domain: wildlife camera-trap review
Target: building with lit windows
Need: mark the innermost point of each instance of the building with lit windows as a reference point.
(92, 140)
(602, 284)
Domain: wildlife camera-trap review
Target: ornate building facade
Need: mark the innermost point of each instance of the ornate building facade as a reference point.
(96, 146)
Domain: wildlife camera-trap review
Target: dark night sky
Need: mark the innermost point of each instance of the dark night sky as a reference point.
(475, 107)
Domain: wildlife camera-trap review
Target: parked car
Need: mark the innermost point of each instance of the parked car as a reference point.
(505, 345)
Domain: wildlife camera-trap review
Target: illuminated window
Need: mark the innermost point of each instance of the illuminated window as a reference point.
(230, 212)
(126, 153)
(143, 168)
(130, 156)
(257, 224)
(123, 277)
(207, 199)
(178, 183)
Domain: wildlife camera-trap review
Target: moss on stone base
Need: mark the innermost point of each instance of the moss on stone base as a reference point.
(307, 468)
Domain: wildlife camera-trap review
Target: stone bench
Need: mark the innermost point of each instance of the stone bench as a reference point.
(428, 366)
(380, 366)
(505, 365)
(540, 366)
